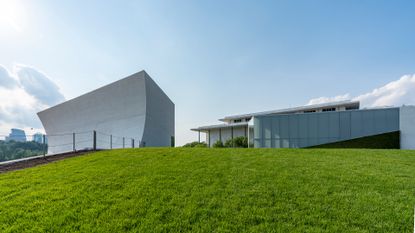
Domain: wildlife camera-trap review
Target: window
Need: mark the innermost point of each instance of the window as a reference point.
(352, 107)
(237, 121)
(308, 111)
(329, 109)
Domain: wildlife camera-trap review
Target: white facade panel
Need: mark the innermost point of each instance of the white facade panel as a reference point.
(239, 132)
(226, 134)
(407, 127)
(214, 136)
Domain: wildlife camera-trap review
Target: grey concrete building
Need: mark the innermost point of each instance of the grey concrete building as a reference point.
(132, 108)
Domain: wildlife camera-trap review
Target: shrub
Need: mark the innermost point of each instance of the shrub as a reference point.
(195, 144)
(201, 144)
(218, 144)
(241, 142)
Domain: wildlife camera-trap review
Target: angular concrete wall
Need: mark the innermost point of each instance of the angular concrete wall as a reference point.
(133, 107)
(159, 126)
(310, 129)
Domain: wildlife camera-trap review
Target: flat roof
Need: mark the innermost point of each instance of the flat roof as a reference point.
(220, 126)
(295, 109)
(352, 110)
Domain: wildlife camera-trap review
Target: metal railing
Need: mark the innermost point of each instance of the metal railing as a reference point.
(24, 146)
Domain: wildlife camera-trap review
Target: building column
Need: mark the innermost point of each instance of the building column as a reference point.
(220, 134)
(232, 136)
(199, 135)
(248, 134)
(209, 137)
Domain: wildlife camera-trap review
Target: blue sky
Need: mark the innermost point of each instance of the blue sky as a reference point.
(215, 58)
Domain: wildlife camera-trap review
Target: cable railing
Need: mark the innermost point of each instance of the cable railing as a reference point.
(23, 146)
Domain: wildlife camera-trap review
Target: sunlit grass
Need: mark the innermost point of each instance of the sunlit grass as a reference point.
(214, 190)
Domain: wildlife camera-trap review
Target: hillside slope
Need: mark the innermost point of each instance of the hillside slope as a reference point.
(205, 190)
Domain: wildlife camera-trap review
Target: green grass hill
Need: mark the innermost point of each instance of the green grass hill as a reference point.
(214, 190)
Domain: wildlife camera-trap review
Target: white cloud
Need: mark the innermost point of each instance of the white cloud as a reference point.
(37, 84)
(395, 93)
(23, 93)
(321, 100)
(6, 80)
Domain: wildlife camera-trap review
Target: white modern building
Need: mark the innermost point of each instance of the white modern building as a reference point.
(314, 125)
(131, 110)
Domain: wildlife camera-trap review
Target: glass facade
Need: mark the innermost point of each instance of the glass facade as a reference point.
(310, 129)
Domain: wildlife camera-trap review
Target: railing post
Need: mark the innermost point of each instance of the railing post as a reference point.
(95, 140)
(132, 142)
(73, 142)
(44, 145)
(111, 141)
(123, 142)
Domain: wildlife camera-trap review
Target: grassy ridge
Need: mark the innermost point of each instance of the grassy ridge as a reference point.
(255, 190)
(389, 140)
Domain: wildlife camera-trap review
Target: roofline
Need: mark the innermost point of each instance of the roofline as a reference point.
(228, 125)
(289, 110)
(221, 126)
(332, 112)
(99, 88)
(154, 82)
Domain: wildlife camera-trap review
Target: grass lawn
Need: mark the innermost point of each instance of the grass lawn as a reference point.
(214, 190)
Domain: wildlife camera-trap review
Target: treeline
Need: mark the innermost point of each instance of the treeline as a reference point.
(15, 150)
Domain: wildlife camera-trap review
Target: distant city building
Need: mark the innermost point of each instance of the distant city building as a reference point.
(17, 135)
(38, 137)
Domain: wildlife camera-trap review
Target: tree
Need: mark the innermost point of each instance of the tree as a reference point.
(15, 150)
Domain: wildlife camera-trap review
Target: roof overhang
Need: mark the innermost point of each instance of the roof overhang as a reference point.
(221, 126)
(293, 110)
